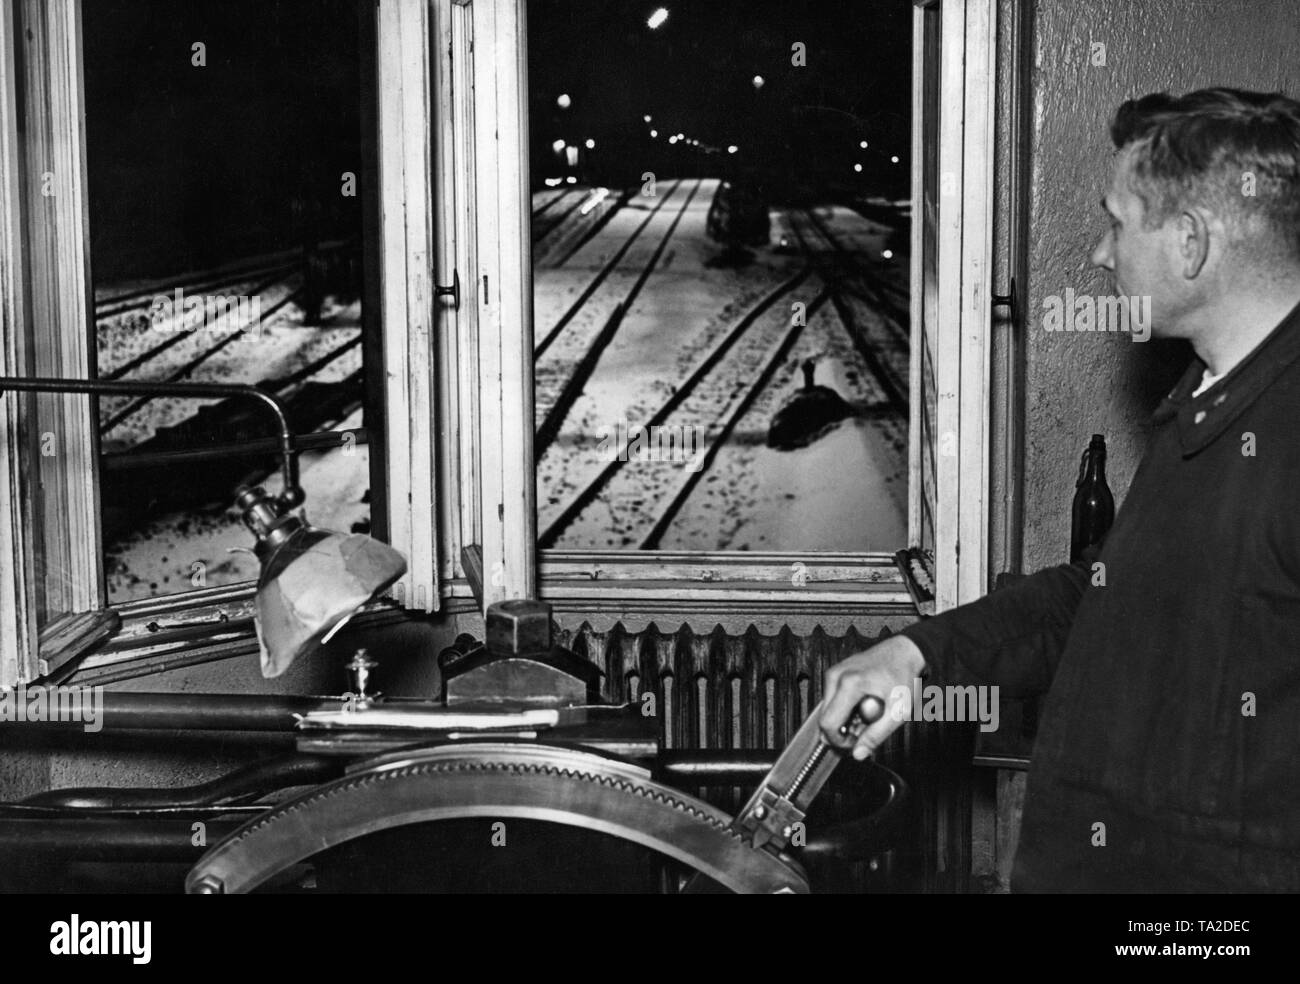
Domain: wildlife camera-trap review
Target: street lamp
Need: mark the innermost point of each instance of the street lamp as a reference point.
(758, 81)
(564, 102)
(657, 19)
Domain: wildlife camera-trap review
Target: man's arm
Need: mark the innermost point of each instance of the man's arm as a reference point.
(1013, 638)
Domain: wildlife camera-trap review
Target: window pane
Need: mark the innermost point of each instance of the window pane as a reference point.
(720, 245)
(224, 150)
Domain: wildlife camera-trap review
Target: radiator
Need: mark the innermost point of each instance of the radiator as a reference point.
(721, 690)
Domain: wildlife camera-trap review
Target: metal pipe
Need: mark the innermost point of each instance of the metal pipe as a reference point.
(293, 494)
(110, 838)
(194, 712)
(253, 780)
(120, 460)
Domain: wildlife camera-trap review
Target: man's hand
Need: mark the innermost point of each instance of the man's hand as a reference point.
(884, 672)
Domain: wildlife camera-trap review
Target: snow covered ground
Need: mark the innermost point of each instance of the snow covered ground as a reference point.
(189, 549)
(846, 491)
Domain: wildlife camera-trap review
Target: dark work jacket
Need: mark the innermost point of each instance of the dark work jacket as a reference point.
(1172, 670)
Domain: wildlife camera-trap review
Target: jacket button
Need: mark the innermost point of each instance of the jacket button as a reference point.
(1200, 415)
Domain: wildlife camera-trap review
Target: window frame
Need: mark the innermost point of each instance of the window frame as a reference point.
(45, 277)
(453, 137)
(570, 579)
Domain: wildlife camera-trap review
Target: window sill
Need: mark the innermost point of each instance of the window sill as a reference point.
(736, 591)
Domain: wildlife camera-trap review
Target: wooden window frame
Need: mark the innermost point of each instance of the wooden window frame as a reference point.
(45, 283)
(738, 588)
(453, 127)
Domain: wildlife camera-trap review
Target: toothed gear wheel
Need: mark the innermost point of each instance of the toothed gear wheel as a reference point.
(497, 780)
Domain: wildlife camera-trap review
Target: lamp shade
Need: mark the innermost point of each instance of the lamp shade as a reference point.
(312, 580)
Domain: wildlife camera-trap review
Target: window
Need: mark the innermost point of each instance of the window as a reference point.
(447, 267)
(948, 369)
(225, 176)
(148, 151)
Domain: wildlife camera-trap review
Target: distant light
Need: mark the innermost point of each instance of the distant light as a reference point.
(758, 81)
(732, 149)
(571, 154)
(591, 144)
(893, 160)
(564, 102)
(888, 254)
(558, 146)
(646, 117)
(672, 139)
(571, 180)
(681, 136)
(657, 18)
(863, 145)
(597, 196)
(552, 182)
(654, 133)
(858, 168)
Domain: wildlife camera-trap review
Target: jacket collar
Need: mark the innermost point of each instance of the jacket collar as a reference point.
(1203, 418)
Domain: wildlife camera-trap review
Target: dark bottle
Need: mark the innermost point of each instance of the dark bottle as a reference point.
(1094, 506)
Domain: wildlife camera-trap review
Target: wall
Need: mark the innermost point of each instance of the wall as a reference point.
(1078, 384)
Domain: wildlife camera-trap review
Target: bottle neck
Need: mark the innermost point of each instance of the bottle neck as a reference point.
(1094, 470)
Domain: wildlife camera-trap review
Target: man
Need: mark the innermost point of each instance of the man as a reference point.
(1168, 756)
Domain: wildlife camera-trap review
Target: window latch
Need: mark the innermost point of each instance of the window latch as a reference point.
(453, 291)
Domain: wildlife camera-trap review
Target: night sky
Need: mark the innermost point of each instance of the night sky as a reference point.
(693, 75)
(190, 167)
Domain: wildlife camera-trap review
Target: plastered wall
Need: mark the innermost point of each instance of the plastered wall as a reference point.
(1080, 384)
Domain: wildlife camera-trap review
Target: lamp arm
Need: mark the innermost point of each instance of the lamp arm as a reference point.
(292, 495)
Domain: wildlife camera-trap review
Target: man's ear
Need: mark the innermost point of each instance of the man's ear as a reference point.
(1193, 232)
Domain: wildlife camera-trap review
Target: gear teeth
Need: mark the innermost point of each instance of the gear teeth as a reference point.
(512, 768)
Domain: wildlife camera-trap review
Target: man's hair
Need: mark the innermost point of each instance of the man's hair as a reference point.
(1234, 152)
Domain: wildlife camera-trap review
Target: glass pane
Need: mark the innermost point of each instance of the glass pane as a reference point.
(225, 159)
(720, 247)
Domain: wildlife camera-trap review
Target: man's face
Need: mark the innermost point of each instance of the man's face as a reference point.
(1144, 262)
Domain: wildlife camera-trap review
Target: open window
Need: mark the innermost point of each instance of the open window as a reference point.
(953, 80)
(448, 210)
(187, 200)
(609, 205)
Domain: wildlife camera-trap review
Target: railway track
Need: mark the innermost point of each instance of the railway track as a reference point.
(582, 370)
(839, 274)
(874, 289)
(721, 366)
(555, 221)
(610, 266)
(550, 202)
